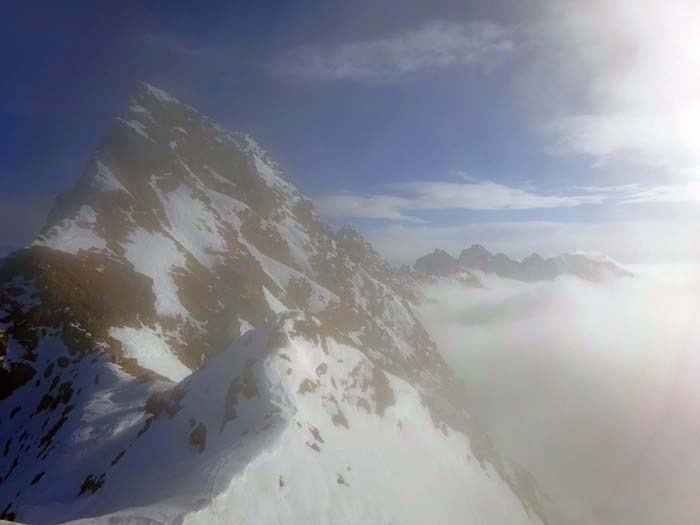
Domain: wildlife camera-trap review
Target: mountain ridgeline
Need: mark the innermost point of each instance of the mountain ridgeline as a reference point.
(533, 268)
(187, 342)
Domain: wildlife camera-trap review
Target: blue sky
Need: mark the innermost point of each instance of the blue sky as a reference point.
(550, 126)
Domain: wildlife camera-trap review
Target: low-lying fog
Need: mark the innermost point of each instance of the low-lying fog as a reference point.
(595, 388)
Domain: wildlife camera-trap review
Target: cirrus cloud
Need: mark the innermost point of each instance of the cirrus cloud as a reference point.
(409, 198)
(433, 195)
(437, 44)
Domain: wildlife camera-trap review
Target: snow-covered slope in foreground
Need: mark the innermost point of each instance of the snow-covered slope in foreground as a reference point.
(286, 426)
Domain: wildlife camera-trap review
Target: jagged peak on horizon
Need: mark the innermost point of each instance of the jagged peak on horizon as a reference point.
(531, 268)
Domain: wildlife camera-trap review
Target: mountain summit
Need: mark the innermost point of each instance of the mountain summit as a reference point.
(187, 342)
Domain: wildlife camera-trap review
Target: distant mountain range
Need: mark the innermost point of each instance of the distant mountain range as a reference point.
(532, 268)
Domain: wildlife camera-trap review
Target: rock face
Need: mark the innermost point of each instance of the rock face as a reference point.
(437, 265)
(533, 268)
(186, 340)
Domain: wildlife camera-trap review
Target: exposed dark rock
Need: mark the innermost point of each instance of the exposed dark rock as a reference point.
(198, 437)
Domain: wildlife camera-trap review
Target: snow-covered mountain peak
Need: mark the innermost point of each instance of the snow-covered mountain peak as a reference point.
(179, 236)
(182, 271)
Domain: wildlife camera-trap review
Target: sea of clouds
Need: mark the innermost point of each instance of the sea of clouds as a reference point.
(593, 387)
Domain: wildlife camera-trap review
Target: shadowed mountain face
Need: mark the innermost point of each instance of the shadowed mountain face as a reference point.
(533, 268)
(188, 233)
(185, 313)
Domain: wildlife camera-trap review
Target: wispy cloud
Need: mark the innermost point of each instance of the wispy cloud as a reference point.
(428, 195)
(365, 206)
(668, 193)
(487, 195)
(637, 193)
(405, 199)
(438, 44)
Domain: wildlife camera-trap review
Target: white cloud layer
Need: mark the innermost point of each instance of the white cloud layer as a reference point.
(437, 44)
(593, 388)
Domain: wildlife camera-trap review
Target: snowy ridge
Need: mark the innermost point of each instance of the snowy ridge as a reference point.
(288, 425)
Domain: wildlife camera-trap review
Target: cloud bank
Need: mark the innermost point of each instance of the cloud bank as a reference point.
(633, 98)
(592, 387)
(435, 45)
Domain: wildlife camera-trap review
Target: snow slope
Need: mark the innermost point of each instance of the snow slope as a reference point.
(287, 425)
